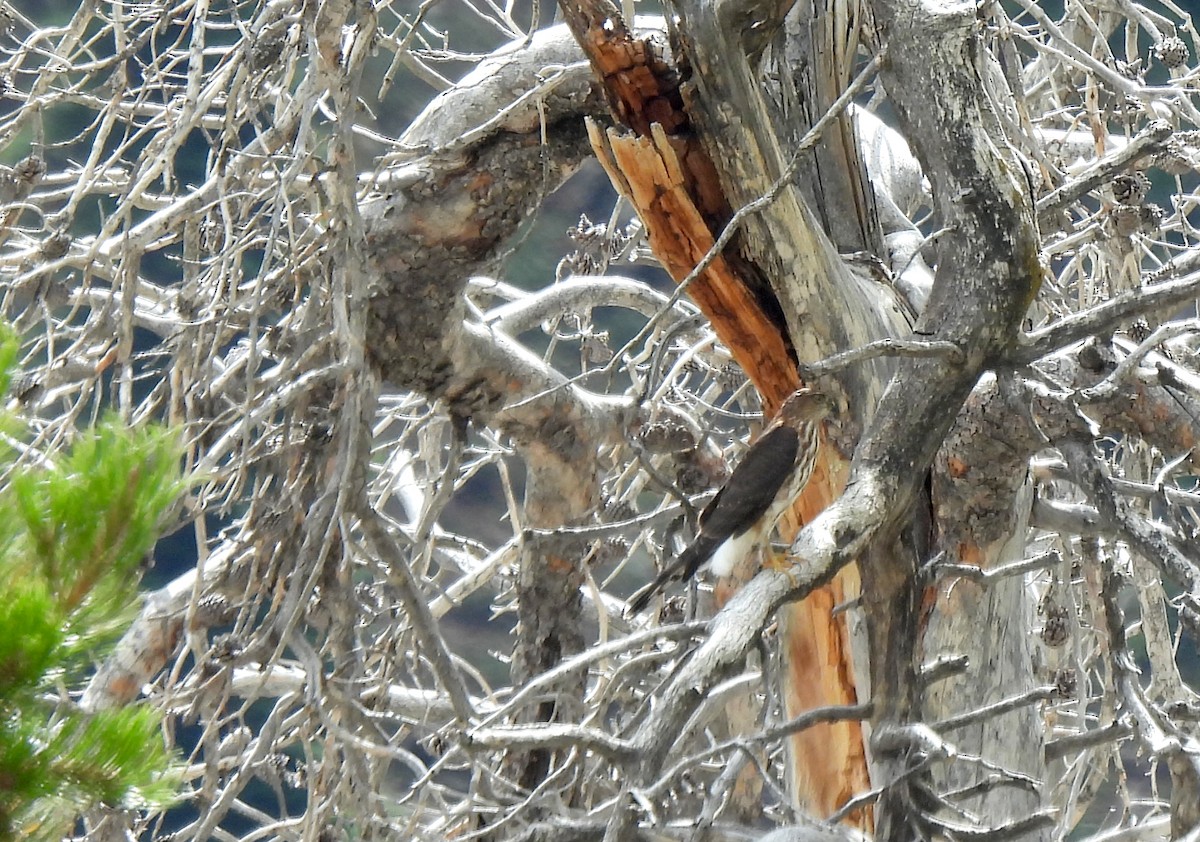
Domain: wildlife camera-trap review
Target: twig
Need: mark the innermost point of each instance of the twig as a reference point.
(1057, 749)
(1037, 694)
(1061, 516)
(816, 716)
(1109, 386)
(616, 527)
(1102, 318)
(581, 293)
(1179, 750)
(1150, 140)
(889, 347)
(548, 735)
(941, 668)
(418, 613)
(1158, 548)
(584, 659)
(1057, 469)
(1016, 568)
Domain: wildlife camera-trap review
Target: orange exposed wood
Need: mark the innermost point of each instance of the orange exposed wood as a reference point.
(832, 757)
(647, 170)
(642, 89)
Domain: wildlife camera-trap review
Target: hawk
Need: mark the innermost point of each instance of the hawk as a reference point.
(761, 488)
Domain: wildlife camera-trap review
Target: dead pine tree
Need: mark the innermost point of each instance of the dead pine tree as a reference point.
(438, 443)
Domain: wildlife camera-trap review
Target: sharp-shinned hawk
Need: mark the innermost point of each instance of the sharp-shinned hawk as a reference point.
(761, 488)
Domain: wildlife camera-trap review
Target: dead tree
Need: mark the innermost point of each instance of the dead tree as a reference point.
(292, 230)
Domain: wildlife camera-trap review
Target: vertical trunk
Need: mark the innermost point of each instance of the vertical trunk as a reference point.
(810, 66)
(982, 500)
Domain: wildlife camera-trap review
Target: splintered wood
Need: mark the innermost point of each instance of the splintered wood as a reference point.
(651, 172)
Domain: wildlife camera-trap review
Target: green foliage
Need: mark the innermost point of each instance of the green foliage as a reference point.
(73, 532)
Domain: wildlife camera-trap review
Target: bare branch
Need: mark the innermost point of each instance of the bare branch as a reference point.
(1149, 141)
(881, 348)
(1103, 318)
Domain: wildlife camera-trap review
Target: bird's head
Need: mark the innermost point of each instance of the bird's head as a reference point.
(806, 405)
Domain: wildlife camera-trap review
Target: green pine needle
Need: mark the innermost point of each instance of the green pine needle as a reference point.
(72, 539)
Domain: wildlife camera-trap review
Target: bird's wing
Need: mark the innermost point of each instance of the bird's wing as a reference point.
(752, 486)
(736, 508)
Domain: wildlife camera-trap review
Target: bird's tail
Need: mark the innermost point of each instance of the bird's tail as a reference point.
(683, 567)
(639, 601)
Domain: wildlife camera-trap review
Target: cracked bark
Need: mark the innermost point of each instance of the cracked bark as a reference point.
(982, 497)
